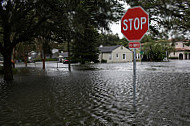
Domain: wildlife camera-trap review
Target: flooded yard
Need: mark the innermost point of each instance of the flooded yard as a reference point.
(97, 95)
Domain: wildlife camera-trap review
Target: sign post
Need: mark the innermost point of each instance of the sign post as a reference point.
(134, 77)
(134, 44)
(134, 24)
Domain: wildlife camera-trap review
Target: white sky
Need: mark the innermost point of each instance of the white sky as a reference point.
(116, 27)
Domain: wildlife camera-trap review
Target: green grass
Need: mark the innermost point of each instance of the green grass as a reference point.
(173, 57)
(51, 59)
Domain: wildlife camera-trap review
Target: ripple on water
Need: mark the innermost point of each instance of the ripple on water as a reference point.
(99, 96)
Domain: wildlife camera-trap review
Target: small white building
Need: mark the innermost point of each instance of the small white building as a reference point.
(182, 51)
(115, 54)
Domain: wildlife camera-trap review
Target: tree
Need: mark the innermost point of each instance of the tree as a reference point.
(124, 42)
(19, 22)
(90, 16)
(43, 46)
(108, 39)
(147, 38)
(22, 50)
(62, 20)
(166, 15)
(23, 21)
(85, 47)
(156, 50)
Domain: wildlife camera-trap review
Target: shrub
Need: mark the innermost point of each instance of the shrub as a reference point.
(103, 61)
(173, 57)
(51, 59)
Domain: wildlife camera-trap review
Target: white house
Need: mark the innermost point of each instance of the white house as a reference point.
(182, 51)
(115, 54)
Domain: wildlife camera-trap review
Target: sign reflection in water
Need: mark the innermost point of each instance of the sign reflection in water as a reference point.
(98, 94)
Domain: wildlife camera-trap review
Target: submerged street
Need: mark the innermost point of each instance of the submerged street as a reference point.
(97, 95)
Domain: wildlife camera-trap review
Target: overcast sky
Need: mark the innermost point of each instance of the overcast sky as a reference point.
(116, 27)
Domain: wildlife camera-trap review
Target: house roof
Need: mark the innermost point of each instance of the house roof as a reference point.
(64, 54)
(182, 49)
(107, 49)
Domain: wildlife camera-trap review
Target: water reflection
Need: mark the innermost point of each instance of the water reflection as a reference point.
(98, 94)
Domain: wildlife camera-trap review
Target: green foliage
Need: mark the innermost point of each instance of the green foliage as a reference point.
(108, 39)
(55, 20)
(103, 61)
(156, 50)
(173, 57)
(165, 15)
(60, 46)
(90, 16)
(124, 42)
(51, 59)
(85, 47)
(147, 38)
(188, 43)
(22, 49)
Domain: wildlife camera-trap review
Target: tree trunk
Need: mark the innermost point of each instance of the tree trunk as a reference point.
(13, 58)
(25, 60)
(43, 57)
(43, 60)
(82, 61)
(8, 74)
(44, 66)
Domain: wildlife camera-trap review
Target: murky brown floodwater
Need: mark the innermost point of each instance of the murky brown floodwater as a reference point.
(97, 95)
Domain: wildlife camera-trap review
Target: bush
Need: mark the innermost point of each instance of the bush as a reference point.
(103, 61)
(37, 60)
(51, 59)
(173, 57)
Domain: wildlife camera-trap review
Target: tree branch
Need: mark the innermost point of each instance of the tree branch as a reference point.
(28, 35)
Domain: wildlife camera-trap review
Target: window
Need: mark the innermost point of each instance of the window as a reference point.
(110, 57)
(174, 53)
(121, 47)
(124, 56)
(117, 55)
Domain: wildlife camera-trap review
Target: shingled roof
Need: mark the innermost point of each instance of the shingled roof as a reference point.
(182, 49)
(108, 49)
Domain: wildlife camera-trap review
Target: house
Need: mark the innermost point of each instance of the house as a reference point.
(62, 56)
(182, 51)
(115, 54)
(55, 53)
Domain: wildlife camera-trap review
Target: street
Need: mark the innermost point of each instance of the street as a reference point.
(97, 94)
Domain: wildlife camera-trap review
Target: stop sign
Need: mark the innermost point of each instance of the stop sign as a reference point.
(135, 23)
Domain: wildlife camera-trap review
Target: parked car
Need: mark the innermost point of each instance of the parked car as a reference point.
(65, 61)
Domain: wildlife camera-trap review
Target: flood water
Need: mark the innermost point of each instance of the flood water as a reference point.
(97, 95)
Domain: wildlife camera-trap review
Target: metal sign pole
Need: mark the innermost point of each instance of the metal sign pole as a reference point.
(141, 53)
(134, 77)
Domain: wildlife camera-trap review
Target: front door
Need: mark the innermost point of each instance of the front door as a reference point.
(181, 56)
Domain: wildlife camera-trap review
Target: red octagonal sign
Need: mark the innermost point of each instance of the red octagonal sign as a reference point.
(135, 23)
